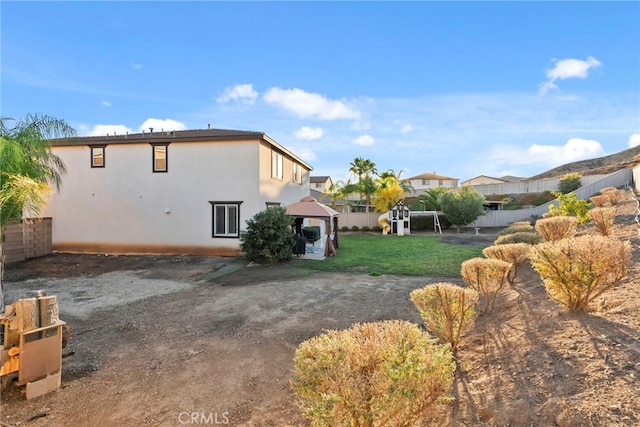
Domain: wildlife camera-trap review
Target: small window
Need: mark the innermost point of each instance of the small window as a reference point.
(441, 183)
(226, 219)
(97, 156)
(276, 165)
(425, 182)
(297, 173)
(273, 204)
(160, 161)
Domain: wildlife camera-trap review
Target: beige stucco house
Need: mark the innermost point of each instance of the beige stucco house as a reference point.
(482, 180)
(321, 183)
(426, 181)
(182, 192)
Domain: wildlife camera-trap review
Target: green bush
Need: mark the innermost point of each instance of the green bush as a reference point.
(426, 222)
(344, 228)
(385, 373)
(366, 228)
(570, 205)
(448, 310)
(577, 270)
(570, 182)
(268, 237)
(519, 237)
(355, 228)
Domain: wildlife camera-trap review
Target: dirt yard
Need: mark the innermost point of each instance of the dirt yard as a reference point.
(172, 341)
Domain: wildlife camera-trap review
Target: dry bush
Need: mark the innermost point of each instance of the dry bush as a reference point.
(602, 219)
(577, 270)
(519, 237)
(448, 310)
(520, 227)
(487, 276)
(556, 228)
(385, 373)
(514, 253)
(613, 195)
(599, 201)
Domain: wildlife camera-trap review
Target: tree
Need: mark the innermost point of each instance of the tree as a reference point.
(462, 207)
(387, 198)
(430, 199)
(341, 189)
(390, 179)
(364, 170)
(28, 170)
(569, 182)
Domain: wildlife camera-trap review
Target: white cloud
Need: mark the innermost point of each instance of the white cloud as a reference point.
(309, 105)
(566, 69)
(575, 149)
(160, 125)
(363, 140)
(306, 154)
(103, 130)
(634, 140)
(106, 104)
(309, 133)
(244, 94)
(406, 128)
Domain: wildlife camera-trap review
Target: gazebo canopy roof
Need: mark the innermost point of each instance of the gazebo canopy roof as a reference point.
(308, 207)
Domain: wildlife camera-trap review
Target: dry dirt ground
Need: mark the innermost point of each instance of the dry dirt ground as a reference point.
(172, 341)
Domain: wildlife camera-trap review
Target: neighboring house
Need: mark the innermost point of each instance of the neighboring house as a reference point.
(321, 183)
(482, 180)
(182, 192)
(426, 181)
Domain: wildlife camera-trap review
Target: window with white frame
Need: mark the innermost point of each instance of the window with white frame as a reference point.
(297, 173)
(226, 219)
(277, 161)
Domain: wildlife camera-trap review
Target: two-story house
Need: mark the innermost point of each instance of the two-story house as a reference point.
(181, 192)
(426, 181)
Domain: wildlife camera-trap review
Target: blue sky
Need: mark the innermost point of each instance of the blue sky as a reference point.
(460, 88)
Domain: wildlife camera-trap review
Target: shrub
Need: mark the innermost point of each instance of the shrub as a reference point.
(577, 270)
(355, 228)
(557, 227)
(613, 195)
(599, 201)
(268, 237)
(520, 237)
(602, 219)
(514, 253)
(448, 310)
(570, 205)
(365, 228)
(384, 373)
(487, 276)
(570, 182)
(344, 228)
(516, 228)
(463, 206)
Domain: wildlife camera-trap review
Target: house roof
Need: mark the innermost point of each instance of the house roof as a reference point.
(432, 176)
(308, 207)
(196, 135)
(315, 179)
(484, 176)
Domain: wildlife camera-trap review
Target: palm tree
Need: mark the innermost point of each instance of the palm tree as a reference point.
(364, 169)
(390, 179)
(28, 170)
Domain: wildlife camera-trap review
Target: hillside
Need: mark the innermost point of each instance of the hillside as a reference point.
(602, 165)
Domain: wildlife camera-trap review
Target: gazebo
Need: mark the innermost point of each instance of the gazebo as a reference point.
(310, 208)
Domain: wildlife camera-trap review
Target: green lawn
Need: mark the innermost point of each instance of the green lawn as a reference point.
(408, 255)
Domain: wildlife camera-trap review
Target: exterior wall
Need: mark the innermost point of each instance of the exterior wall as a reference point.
(420, 188)
(28, 239)
(126, 208)
(524, 187)
(636, 178)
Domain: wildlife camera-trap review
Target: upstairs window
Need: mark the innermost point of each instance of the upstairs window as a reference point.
(277, 165)
(297, 173)
(160, 158)
(97, 156)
